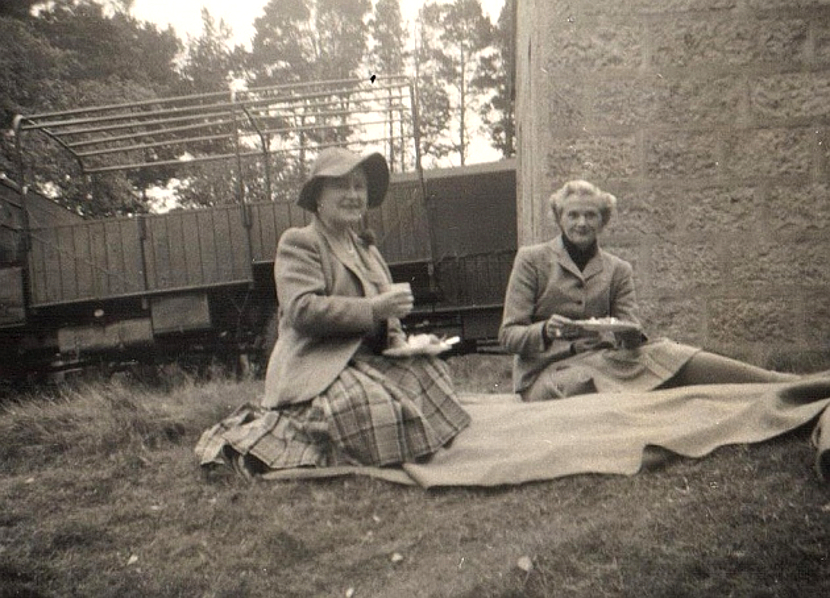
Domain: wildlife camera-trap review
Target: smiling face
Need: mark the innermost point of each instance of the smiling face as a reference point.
(580, 219)
(342, 200)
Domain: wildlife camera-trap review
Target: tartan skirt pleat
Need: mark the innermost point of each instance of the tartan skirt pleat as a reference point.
(379, 411)
(383, 411)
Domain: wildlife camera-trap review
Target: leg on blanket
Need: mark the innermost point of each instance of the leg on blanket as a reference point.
(709, 368)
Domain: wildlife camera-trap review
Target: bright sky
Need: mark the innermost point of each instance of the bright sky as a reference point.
(186, 18)
(186, 15)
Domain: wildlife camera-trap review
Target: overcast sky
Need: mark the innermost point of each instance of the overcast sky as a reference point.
(186, 18)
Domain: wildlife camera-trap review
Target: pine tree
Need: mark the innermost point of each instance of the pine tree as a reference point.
(497, 80)
(462, 37)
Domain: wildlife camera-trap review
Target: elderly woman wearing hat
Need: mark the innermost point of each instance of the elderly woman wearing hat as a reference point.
(339, 399)
(570, 316)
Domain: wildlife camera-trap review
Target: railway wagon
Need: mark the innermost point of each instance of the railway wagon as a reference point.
(199, 282)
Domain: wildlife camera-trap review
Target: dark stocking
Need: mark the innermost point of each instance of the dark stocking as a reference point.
(709, 368)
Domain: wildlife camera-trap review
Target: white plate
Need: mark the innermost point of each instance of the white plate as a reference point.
(431, 349)
(604, 325)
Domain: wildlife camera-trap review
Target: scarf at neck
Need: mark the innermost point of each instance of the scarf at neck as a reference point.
(580, 257)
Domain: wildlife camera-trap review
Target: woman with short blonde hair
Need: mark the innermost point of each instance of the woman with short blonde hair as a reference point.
(571, 317)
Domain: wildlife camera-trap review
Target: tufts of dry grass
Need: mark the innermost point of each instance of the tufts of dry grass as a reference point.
(482, 373)
(108, 418)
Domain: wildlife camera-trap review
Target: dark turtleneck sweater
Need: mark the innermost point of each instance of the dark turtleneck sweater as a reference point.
(581, 257)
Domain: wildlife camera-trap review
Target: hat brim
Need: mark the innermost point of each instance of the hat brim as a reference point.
(377, 178)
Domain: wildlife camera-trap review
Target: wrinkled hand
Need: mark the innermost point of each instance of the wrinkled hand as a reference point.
(630, 339)
(561, 327)
(395, 303)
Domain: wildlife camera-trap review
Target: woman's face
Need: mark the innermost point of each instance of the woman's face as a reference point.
(342, 201)
(581, 220)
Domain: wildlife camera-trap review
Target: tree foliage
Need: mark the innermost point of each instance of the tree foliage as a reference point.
(17, 9)
(460, 37)
(110, 46)
(79, 53)
(497, 83)
(389, 55)
(72, 54)
(309, 40)
(210, 61)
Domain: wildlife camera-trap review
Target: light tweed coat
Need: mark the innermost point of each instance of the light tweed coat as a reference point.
(324, 312)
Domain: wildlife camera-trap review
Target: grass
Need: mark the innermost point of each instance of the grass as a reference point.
(101, 496)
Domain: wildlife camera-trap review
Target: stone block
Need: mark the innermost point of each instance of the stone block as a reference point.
(651, 213)
(754, 320)
(593, 44)
(650, 7)
(821, 39)
(566, 102)
(789, 96)
(785, 4)
(797, 210)
(682, 154)
(622, 101)
(765, 153)
(817, 319)
(681, 266)
(699, 100)
(722, 211)
(592, 158)
(713, 40)
(681, 319)
(781, 40)
(771, 265)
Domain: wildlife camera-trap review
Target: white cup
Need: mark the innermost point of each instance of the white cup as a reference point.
(401, 286)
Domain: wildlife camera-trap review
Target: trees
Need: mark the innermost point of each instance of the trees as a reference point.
(78, 53)
(497, 83)
(308, 40)
(210, 61)
(456, 38)
(72, 54)
(18, 9)
(388, 57)
(109, 46)
(283, 43)
(299, 41)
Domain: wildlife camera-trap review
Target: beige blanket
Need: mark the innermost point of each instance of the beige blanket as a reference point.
(510, 442)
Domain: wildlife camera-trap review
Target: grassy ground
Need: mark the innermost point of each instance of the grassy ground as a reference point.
(101, 496)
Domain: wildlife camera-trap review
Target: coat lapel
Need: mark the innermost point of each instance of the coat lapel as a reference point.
(563, 258)
(371, 279)
(592, 268)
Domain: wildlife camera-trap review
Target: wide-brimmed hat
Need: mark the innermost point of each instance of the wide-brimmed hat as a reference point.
(336, 162)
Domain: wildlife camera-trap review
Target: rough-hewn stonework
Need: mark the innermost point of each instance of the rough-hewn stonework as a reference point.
(710, 120)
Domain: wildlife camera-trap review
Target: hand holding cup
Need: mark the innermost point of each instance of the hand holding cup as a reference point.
(396, 302)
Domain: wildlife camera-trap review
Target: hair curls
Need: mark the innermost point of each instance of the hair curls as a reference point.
(607, 202)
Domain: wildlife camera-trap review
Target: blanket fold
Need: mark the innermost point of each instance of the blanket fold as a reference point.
(511, 442)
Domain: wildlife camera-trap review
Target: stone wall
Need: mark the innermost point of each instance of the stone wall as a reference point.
(710, 121)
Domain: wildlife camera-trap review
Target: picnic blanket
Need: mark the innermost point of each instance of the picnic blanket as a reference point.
(511, 442)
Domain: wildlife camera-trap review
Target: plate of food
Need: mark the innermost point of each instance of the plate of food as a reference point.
(422, 344)
(609, 324)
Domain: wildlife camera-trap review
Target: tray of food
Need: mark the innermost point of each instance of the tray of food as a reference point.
(608, 324)
(422, 344)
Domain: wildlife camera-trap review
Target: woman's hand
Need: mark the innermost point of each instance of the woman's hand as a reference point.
(630, 339)
(561, 327)
(394, 303)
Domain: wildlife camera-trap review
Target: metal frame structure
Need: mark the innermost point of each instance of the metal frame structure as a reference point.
(257, 122)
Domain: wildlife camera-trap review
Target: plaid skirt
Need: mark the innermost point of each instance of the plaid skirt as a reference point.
(379, 411)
